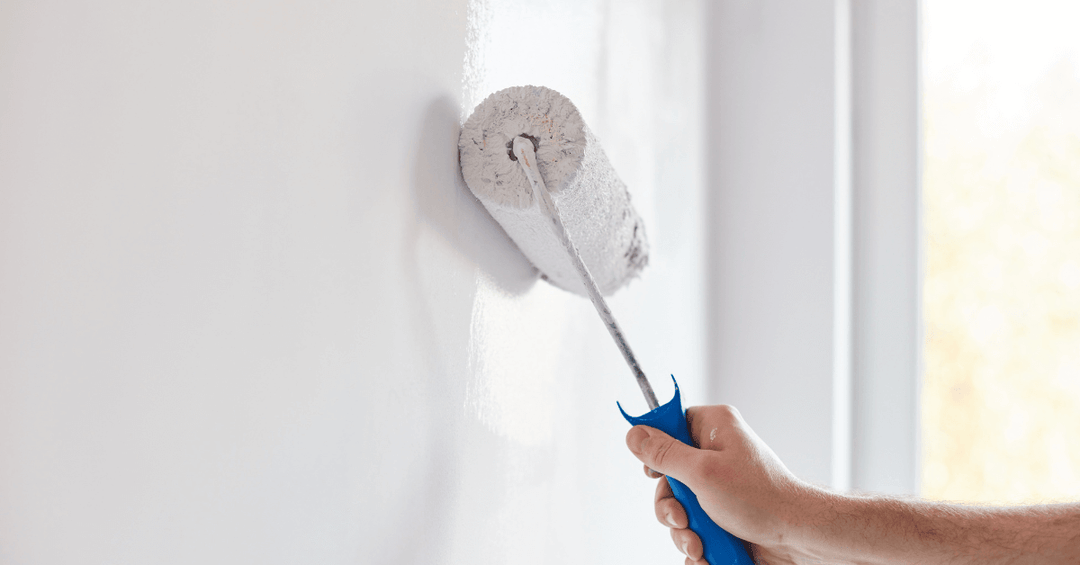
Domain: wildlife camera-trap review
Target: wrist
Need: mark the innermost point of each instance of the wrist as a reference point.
(825, 526)
(803, 519)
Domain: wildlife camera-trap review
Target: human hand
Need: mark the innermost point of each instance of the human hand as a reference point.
(746, 490)
(739, 482)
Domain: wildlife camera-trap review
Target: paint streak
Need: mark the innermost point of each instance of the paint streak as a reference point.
(474, 64)
(514, 344)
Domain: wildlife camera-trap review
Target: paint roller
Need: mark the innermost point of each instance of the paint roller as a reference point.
(536, 167)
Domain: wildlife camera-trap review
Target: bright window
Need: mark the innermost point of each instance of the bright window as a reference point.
(1001, 395)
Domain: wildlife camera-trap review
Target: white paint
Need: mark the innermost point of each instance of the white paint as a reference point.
(594, 205)
(250, 312)
(513, 387)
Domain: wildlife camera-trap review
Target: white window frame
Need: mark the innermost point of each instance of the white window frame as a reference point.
(813, 151)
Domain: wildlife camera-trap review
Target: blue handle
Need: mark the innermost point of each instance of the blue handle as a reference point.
(720, 547)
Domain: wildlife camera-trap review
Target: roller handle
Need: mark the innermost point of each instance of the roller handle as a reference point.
(720, 547)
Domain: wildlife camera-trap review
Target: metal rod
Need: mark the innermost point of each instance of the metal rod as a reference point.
(526, 156)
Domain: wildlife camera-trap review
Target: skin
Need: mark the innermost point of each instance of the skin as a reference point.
(746, 490)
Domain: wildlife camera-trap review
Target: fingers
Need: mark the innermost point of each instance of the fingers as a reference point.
(668, 510)
(660, 452)
(671, 514)
(688, 543)
(652, 474)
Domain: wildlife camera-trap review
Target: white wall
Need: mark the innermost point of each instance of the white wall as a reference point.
(249, 312)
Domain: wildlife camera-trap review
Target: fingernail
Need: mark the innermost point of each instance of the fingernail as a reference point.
(686, 548)
(670, 520)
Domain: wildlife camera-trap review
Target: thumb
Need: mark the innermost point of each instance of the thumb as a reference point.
(662, 453)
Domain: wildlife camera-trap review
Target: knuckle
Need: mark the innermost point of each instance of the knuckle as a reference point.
(699, 472)
(728, 412)
(661, 453)
(711, 471)
(713, 425)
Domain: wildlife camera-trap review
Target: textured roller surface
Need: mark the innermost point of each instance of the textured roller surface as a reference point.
(593, 202)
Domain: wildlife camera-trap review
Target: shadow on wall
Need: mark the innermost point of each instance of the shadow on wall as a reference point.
(441, 298)
(447, 204)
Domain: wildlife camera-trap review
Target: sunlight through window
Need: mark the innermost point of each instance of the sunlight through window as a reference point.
(1001, 391)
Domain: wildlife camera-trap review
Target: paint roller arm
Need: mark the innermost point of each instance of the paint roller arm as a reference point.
(746, 490)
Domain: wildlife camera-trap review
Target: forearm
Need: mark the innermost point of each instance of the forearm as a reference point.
(891, 530)
(747, 491)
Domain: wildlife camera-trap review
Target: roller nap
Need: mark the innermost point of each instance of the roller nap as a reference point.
(593, 202)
